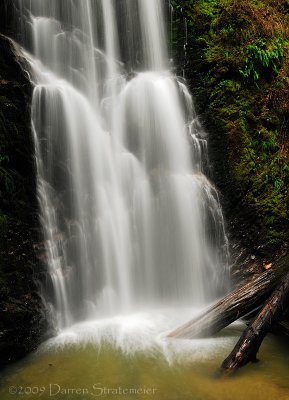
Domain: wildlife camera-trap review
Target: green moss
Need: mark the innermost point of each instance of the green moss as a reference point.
(238, 62)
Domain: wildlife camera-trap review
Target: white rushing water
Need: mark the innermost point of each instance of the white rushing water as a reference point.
(129, 218)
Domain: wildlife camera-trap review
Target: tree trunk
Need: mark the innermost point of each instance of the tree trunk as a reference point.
(248, 345)
(235, 305)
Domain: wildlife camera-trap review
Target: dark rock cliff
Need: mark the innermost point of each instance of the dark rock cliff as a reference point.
(22, 315)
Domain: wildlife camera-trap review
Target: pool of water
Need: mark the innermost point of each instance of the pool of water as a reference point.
(130, 358)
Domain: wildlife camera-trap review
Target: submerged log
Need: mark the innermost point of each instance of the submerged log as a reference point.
(249, 343)
(235, 305)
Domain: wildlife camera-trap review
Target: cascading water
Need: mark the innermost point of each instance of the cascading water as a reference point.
(129, 218)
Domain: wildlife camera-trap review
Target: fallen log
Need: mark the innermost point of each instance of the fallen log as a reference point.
(249, 343)
(235, 305)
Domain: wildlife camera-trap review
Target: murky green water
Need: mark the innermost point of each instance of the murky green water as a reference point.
(102, 371)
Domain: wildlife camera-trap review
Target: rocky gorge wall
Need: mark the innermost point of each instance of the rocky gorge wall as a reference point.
(22, 315)
(236, 62)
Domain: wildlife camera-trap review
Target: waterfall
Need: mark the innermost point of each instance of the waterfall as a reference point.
(129, 218)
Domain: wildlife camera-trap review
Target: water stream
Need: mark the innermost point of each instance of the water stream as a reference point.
(129, 218)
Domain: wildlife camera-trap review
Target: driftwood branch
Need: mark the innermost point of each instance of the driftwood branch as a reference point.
(248, 345)
(235, 305)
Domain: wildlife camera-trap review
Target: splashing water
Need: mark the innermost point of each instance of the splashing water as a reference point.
(129, 218)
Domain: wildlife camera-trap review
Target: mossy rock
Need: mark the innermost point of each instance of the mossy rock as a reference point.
(237, 65)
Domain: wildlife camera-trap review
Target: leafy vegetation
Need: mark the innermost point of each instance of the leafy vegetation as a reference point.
(259, 56)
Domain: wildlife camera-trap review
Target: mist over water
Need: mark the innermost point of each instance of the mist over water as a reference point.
(129, 218)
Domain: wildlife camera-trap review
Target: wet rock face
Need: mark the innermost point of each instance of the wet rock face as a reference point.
(18, 184)
(7, 16)
(22, 314)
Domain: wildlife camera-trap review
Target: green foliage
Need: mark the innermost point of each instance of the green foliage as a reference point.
(208, 7)
(260, 56)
